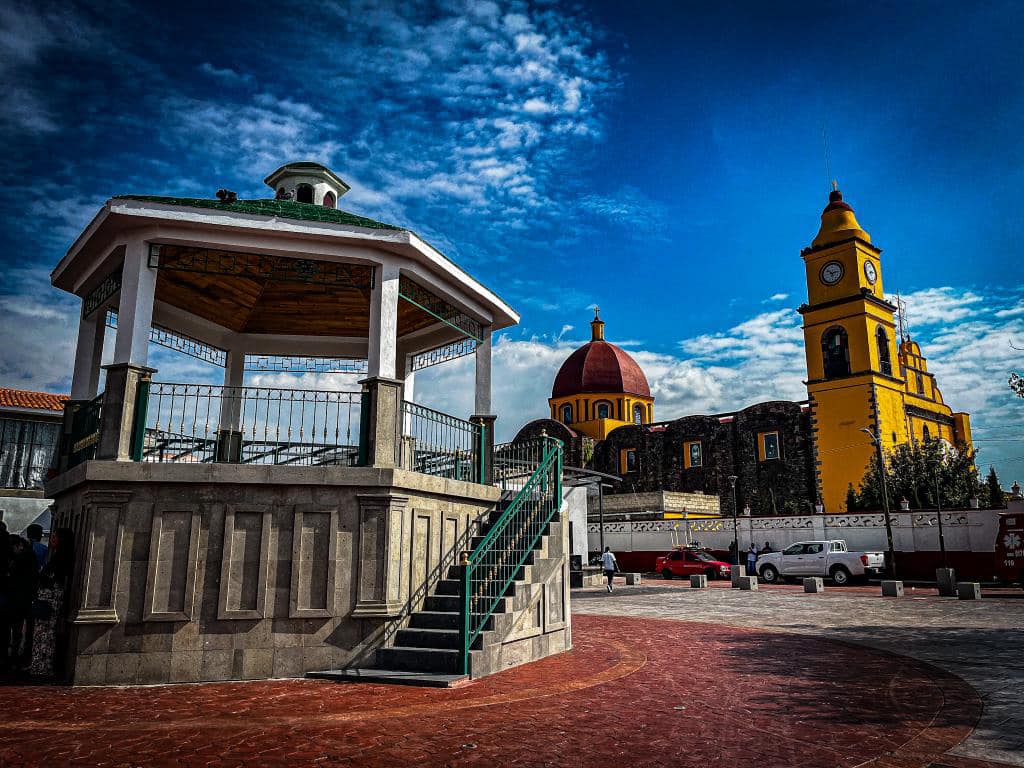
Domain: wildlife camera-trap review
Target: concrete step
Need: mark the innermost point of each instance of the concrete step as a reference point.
(447, 587)
(428, 638)
(434, 620)
(390, 677)
(443, 661)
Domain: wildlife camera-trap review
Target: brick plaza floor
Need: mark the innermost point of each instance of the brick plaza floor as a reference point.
(667, 676)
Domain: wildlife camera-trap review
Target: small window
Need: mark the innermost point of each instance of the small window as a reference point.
(693, 455)
(304, 193)
(567, 414)
(926, 433)
(920, 384)
(835, 546)
(884, 361)
(603, 410)
(894, 438)
(638, 414)
(770, 446)
(329, 200)
(835, 352)
(627, 460)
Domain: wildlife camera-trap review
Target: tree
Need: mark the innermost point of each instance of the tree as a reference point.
(1017, 384)
(995, 492)
(851, 499)
(911, 472)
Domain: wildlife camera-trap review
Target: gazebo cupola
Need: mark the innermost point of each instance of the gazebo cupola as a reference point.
(307, 182)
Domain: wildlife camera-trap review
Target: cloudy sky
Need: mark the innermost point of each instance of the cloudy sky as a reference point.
(667, 163)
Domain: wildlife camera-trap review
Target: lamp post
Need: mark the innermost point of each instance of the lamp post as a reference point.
(735, 520)
(938, 515)
(876, 438)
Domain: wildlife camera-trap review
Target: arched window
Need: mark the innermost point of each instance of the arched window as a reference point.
(926, 433)
(603, 410)
(638, 414)
(920, 384)
(884, 361)
(329, 201)
(304, 193)
(567, 414)
(835, 350)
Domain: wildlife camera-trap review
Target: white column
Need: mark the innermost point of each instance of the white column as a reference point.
(88, 354)
(409, 386)
(482, 401)
(234, 380)
(381, 355)
(135, 308)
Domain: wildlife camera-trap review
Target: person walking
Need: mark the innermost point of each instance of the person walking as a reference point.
(752, 560)
(610, 565)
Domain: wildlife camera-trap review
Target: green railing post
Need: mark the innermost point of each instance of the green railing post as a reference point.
(465, 620)
(482, 451)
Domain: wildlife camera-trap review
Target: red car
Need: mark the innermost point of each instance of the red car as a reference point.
(683, 563)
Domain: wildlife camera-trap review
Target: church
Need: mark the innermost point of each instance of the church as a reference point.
(863, 373)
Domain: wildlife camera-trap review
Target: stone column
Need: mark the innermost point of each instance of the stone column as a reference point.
(483, 373)
(88, 354)
(135, 308)
(383, 556)
(119, 413)
(382, 391)
(486, 423)
(229, 433)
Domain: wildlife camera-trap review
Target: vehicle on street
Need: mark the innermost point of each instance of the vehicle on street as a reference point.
(689, 561)
(1010, 549)
(829, 559)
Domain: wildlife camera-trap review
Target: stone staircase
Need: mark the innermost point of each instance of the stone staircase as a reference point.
(427, 650)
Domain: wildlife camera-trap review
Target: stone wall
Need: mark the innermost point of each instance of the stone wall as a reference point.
(225, 572)
(653, 501)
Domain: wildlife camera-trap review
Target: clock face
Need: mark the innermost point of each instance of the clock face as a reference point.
(869, 272)
(832, 273)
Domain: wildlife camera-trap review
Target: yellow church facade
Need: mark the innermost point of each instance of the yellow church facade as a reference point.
(860, 373)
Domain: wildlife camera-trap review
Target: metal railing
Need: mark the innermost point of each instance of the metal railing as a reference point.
(435, 443)
(198, 423)
(85, 431)
(494, 564)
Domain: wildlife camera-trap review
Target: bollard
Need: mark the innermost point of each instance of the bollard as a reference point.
(968, 590)
(632, 579)
(946, 577)
(698, 581)
(814, 584)
(748, 583)
(737, 572)
(892, 589)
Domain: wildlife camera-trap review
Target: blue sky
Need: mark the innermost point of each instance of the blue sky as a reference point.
(666, 163)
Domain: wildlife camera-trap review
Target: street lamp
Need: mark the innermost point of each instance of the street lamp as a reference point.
(735, 520)
(877, 440)
(938, 514)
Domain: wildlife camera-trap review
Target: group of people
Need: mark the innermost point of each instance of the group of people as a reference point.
(752, 554)
(33, 578)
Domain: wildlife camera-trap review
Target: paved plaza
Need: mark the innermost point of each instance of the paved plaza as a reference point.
(660, 675)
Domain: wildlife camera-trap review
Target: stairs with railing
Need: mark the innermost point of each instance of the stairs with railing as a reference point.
(485, 600)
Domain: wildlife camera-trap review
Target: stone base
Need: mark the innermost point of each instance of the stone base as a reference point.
(633, 579)
(748, 583)
(737, 572)
(968, 590)
(814, 584)
(892, 589)
(698, 581)
(590, 576)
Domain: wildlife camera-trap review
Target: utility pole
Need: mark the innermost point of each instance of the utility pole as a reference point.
(735, 520)
(876, 438)
(938, 515)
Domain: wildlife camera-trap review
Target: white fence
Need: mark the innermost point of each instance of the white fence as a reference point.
(969, 530)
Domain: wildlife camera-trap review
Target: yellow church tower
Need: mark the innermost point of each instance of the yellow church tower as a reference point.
(857, 376)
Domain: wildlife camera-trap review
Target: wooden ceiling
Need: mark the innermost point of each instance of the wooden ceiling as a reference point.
(268, 294)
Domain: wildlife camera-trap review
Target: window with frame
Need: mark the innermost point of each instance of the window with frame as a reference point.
(693, 456)
(770, 446)
(926, 433)
(884, 361)
(835, 348)
(627, 460)
(920, 383)
(304, 193)
(567, 414)
(638, 414)
(329, 200)
(602, 410)
(26, 452)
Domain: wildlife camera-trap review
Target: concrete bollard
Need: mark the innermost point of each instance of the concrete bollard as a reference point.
(814, 584)
(968, 590)
(633, 579)
(892, 589)
(748, 583)
(737, 572)
(698, 581)
(946, 577)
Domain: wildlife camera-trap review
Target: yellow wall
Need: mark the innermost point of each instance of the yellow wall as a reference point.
(584, 419)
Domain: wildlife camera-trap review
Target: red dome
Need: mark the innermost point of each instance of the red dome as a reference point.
(600, 367)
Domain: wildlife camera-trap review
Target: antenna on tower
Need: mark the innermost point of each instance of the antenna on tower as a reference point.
(828, 162)
(901, 305)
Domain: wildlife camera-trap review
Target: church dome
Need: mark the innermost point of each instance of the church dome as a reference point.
(838, 222)
(600, 367)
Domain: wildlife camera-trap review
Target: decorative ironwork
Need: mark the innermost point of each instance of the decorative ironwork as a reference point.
(439, 308)
(493, 565)
(179, 342)
(200, 423)
(435, 443)
(444, 353)
(99, 295)
(290, 364)
(278, 269)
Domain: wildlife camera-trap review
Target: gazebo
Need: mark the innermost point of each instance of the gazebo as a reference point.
(229, 510)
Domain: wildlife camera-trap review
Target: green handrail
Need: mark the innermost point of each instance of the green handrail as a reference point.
(492, 566)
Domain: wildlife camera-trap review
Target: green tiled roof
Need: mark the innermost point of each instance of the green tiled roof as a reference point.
(284, 209)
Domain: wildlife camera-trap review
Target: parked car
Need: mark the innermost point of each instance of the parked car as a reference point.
(829, 559)
(688, 561)
(1010, 549)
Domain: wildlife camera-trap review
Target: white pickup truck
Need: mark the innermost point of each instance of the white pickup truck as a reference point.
(829, 559)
